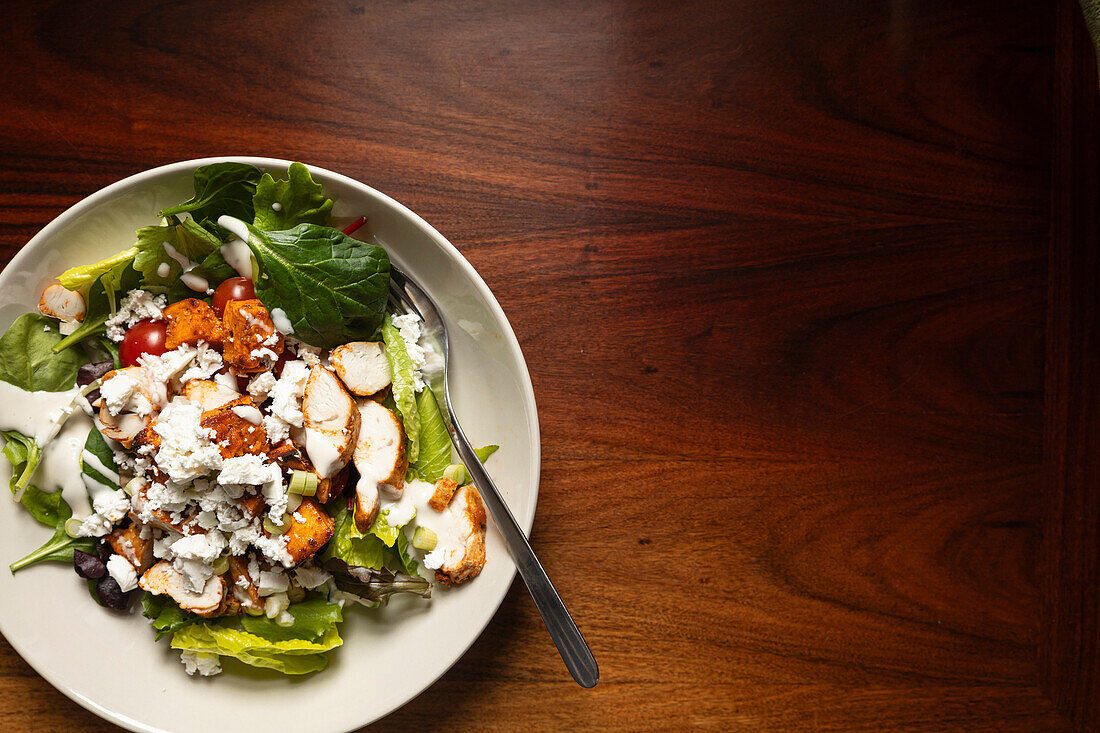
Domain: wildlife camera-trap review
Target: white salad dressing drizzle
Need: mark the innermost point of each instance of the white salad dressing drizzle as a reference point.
(35, 413)
(60, 466)
(281, 322)
(164, 269)
(414, 502)
(195, 282)
(322, 453)
(236, 252)
(188, 278)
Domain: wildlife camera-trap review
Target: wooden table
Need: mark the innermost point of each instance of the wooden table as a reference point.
(807, 291)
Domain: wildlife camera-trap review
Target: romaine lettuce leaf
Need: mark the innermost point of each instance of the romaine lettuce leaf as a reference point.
(289, 656)
(403, 387)
(167, 617)
(353, 548)
(434, 454)
(313, 618)
(79, 278)
(300, 200)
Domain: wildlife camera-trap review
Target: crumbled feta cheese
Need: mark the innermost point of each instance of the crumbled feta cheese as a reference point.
(112, 505)
(408, 325)
(286, 395)
(123, 572)
(205, 664)
(285, 618)
(272, 582)
(311, 577)
(186, 451)
(277, 428)
(265, 355)
(299, 518)
(311, 355)
(118, 390)
(207, 363)
(261, 385)
(247, 469)
(138, 305)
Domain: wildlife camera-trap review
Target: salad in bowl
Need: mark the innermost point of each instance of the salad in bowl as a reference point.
(225, 424)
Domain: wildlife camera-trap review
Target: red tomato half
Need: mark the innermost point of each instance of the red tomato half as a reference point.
(235, 288)
(144, 337)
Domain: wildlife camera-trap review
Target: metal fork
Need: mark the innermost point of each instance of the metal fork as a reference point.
(407, 296)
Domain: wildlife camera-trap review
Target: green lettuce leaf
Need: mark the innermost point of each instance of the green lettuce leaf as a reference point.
(402, 387)
(220, 188)
(79, 278)
(300, 200)
(186, 237)
(167, 617)
(352, 547)
(102, 298)
(404, 558)
(59, 548)
(24, 454)
(332, 288)
(289, 656)
(97, 446)
(485, 451)
(434, 453)
(313, 618)
(27, 359)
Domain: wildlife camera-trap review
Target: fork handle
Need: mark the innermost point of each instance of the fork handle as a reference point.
(567, 637)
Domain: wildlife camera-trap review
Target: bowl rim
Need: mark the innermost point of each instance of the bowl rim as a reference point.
(89, 202)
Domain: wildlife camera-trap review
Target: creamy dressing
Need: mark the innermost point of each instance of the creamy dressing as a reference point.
(323, 453)
(447, 526)
(60, 467)
(236, 252)
(195, 282)
(281, 322)
(172, 252)
(249, 413)
(91, 460)
(164, 269)
(35, 413)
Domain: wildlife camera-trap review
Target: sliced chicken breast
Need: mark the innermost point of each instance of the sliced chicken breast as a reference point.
(380, 459)
(363, 366)
(208, 394)
(462, 557)
(163, 579)
(331, 422)
(65, 305)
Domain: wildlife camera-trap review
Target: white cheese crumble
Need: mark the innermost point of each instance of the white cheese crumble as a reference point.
(261, 385)
(138, 305)
(186, 451)
(109, 508)
(123, 572)
(286, 395)
(311, 577)
(408, 325)
(205, 664)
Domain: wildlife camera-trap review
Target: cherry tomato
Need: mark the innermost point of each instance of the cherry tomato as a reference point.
(235, 288)
(144, 337)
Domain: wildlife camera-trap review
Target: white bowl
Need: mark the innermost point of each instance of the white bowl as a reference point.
(108, 662)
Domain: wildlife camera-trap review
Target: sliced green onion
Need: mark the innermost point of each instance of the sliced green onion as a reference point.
(293, 501)
(72, 526)
(274, 529)
(133, 486)
(221, 565)
(456, 472)
(303, 483)
(424, 539)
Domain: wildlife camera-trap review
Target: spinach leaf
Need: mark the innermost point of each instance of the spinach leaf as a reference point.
(332, 288)
(166, 615)
(300, 200)
(59, 548)
(24, 454)
(403, 387)
(220, 188)
(28, 361)
(434, 454)
(102, 298)
(96, 446)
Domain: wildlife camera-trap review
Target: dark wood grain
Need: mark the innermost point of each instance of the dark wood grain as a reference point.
(804, 331)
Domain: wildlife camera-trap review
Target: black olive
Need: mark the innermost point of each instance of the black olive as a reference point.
(88, 373)
(88, 566)
(110, 594)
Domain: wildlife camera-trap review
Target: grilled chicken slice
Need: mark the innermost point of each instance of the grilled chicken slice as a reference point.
(243, 586)
(129, 400)
(163, 579)
(363, 366)
(331, 422)
(128, 543)
(464, 557)
(380, 459)
(208, 394)
(65, 305)
(191, 321)
(121, 428)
